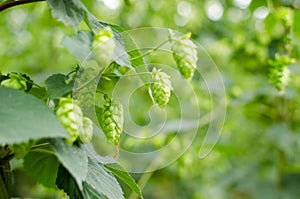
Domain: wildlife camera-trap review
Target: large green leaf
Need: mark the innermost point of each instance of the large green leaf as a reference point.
(66, 182)
(43, 166)
(90, 193)
(24, 117)
(57, 86)
(73, 158)
(70, 12)
(102, 181)
(120, 173)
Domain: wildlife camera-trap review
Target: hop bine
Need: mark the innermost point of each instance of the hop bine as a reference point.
(111, 120)
(184, 54)
(160, 87)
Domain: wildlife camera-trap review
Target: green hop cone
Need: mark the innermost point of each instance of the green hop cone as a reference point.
(111, 120)
(70, 116)
(20, 150)
(103, 46)
(160, 87)
(16, 81)
(279, 72)
(86, 132)
(184, 54)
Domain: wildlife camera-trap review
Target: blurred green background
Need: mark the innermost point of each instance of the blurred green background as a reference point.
(256, 156)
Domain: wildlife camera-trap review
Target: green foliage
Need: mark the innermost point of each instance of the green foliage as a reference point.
(123, 175)
(43, 166)
(18, 115)
(255, 156)
(58, 86)
(73, 158)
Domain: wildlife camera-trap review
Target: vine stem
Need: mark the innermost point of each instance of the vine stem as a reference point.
(10, 4)
(150, 51)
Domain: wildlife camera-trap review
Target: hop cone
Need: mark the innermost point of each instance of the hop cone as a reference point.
(160, 87)
(103, 46)
(70, 116)
(279, 71)
(184, 54)
(111, 120)
(16, 81)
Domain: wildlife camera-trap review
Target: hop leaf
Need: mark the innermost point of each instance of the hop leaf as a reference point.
(86, 133)
(184, 54)
(103, 46)
(16, 81)
(85, 80)
(279, 71)
(20, 150)
(160, 87)
(111, 120)
(70, 116)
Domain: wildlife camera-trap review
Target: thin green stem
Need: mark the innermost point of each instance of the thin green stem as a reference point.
(150, 51)
(129, 75)
(46, 151)
(40, 145)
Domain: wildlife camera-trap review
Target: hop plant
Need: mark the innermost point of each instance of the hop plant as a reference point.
(103, 46)
(86, 133)
(279, 72)
(16, 81)
(70, 116)
(20, 150)
(184, 54)
(111, 120)
(160, 87)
